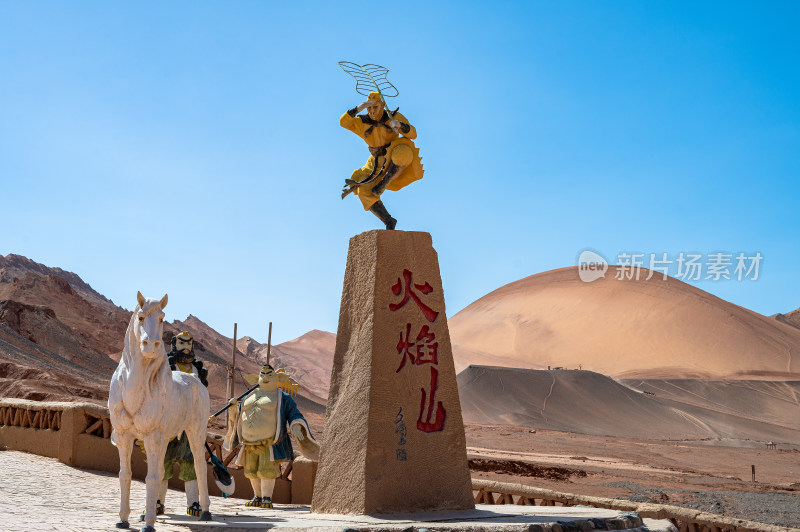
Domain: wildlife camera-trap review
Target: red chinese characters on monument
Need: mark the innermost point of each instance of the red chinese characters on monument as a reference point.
(407, 287)
(438, 424)
(420, 349)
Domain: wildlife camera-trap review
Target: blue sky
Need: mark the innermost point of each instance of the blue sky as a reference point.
(194, 148)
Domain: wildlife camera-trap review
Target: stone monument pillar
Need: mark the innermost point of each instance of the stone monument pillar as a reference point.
(394, 437)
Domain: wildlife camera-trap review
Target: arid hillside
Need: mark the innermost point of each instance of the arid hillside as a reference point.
(624, 329)
(688, 364)
(790, 318)
(61, 340)
(309, 356)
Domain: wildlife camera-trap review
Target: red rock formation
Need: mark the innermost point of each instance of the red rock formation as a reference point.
(60, 339)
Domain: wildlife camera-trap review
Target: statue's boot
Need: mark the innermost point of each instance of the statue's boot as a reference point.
(391, 171)
(256, 500)
(267, 487)
(192, 498)
(379, 210)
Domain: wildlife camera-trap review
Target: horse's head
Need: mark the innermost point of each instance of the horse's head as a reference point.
(149, 325)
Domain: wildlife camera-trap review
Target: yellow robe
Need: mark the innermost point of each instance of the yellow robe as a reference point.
(381, 136)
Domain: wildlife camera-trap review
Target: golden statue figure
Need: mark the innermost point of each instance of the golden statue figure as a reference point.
(394, 160)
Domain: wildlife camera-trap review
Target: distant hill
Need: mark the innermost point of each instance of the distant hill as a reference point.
(61, 340)
(310, 358)
(792, 318)
(622, 328)
(16, 266)
(41, 358)
(591, 403)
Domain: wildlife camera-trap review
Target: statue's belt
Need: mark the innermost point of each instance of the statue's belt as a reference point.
(379, 151)
(259, 443)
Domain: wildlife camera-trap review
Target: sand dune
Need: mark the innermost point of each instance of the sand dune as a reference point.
(590, 403)
(622, 328)
(774, 402)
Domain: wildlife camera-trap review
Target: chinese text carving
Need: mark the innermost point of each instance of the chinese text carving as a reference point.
(426, 352)
(438, 424)
(419, 350)
(406, 286)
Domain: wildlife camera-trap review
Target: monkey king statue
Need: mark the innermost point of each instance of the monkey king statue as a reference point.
(394, 160)
(259, 422)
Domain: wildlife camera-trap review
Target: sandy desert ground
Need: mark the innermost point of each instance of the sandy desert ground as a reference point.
(688, 442)
(699, 474)
(590, 403)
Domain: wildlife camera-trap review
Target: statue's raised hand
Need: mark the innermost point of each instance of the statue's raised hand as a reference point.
(365, 104)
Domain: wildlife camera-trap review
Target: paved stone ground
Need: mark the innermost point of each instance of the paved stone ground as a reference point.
(38, 493)
(42, 494)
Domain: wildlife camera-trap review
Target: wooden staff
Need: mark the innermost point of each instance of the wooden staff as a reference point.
(269, 341)
(238, 399)
(232, 369)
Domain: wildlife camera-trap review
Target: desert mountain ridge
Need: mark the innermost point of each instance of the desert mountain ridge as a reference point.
(16, 266)
(60, 339)
(791, 318)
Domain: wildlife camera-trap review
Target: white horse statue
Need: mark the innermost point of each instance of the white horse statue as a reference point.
(149, 402)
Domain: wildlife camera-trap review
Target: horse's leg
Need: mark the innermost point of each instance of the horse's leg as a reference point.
(162, 492)
(124, 444)
(197, 438)
(155, 446)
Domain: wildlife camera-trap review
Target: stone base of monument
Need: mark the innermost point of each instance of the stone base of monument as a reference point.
(394, 436)
(495, 518)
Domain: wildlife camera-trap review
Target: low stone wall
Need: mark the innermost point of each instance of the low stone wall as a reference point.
(78, 434)
(685, 519)
(71, 432)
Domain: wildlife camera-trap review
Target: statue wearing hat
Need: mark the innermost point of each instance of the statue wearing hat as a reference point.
(262, 423)
(394, 161)
(181, 358)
